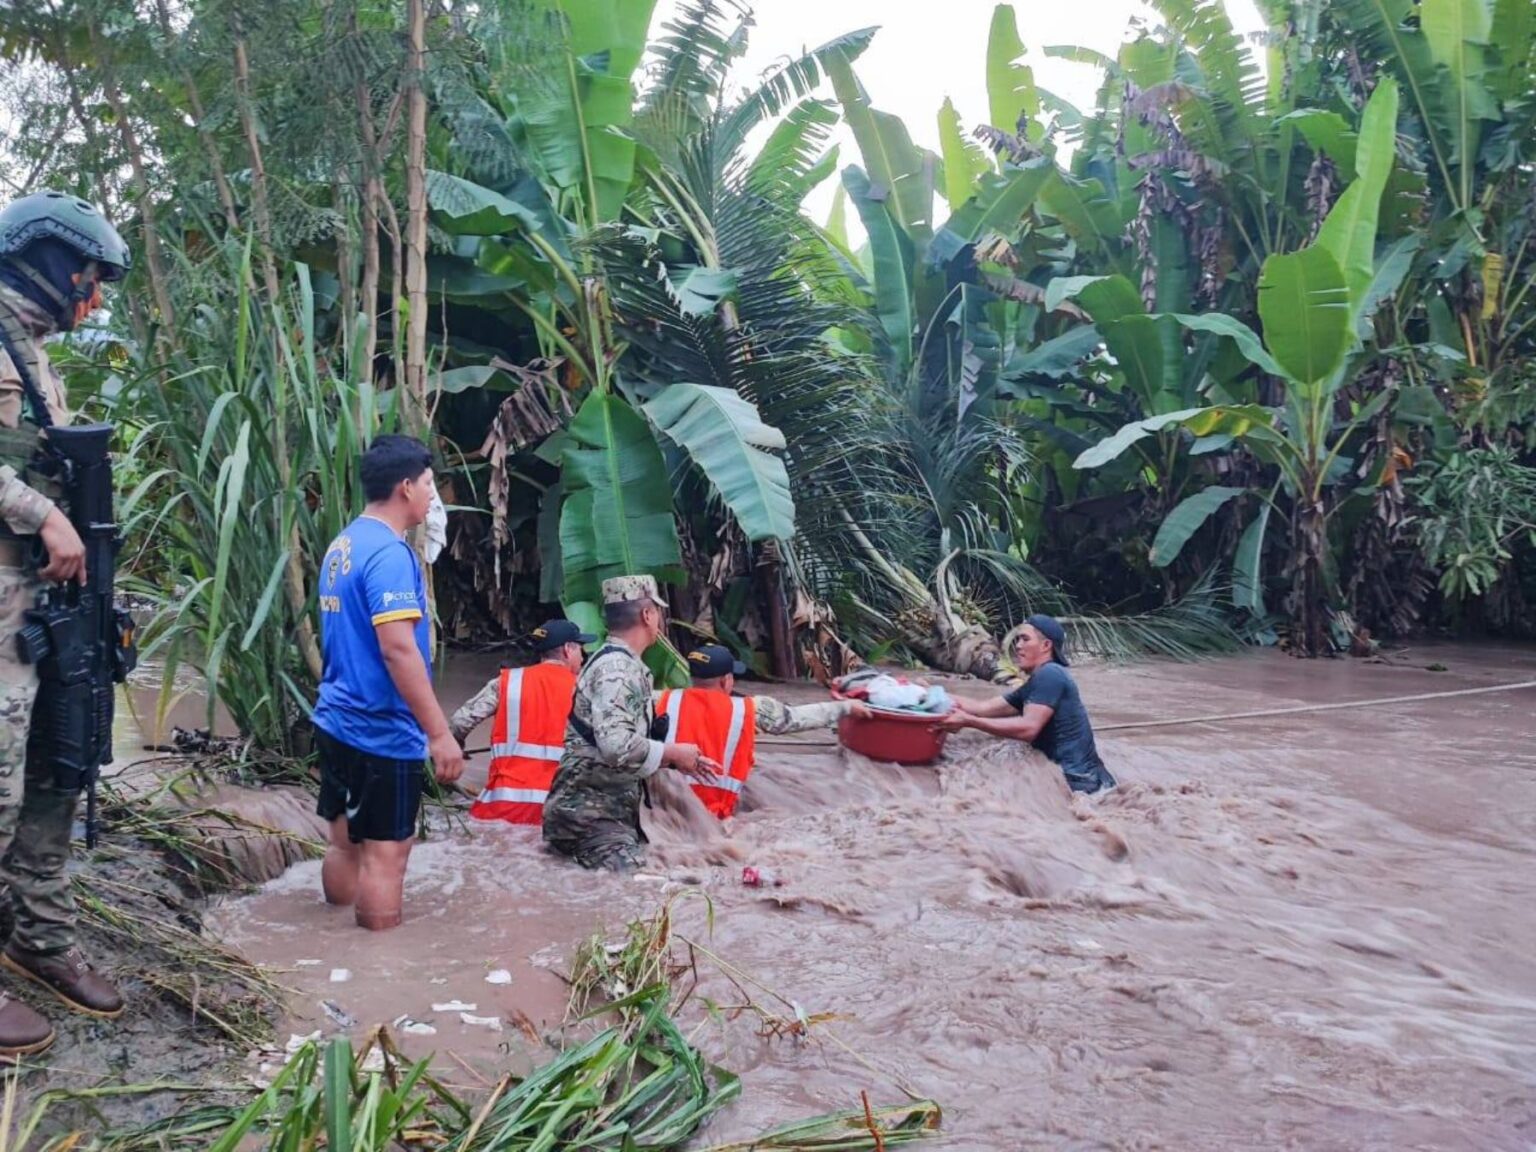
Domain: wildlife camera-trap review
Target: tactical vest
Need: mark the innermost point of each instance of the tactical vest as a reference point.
(21, 447)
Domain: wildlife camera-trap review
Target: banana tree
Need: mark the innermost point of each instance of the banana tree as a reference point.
(667, 310)
(1314, 305)
(1465, 68)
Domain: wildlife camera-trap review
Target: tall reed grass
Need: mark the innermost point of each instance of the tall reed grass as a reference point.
(247, 446)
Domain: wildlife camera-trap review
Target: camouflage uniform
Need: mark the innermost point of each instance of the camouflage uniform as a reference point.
(480, 708)
(592, 813)
(36, 819)
(775, 718)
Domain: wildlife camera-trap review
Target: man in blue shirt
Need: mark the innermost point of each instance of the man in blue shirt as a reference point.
(1047, 711)
(377, 718)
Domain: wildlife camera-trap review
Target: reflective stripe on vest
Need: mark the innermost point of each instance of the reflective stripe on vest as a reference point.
(512, 796)
(528, 751)
(733, 737)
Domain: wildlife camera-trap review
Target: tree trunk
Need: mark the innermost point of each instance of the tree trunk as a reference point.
(297, 595)
(88, 126)
(770, 570)
(416, 221)
(210, 145)
(344, 261)
(1309, 588)
(148, 216)
(368, 202)
(397, 290)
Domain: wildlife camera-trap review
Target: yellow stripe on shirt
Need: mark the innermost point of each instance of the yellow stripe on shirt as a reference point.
(398, 614)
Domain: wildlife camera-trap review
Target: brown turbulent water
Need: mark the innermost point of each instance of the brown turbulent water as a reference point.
(1314, 932)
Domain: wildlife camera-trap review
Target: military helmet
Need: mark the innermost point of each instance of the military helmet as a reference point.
(70, 220)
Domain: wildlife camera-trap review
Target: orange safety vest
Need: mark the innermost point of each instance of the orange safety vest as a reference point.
(527, 740)
(725, 729)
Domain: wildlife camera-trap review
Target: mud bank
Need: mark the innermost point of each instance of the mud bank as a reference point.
(1312, 932)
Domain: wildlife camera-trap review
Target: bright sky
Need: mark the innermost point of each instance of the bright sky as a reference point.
(929, 50)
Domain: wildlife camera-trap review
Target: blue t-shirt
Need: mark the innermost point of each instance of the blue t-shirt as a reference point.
(1067, 737)
(370, 576)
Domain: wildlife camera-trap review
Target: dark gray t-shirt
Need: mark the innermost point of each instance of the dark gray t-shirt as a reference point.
(1067, 737)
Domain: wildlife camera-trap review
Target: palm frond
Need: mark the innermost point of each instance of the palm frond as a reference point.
(1194, 626)
(692, 57)
(793, 80)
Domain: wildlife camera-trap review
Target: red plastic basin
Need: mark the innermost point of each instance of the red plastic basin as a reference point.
(897, 737)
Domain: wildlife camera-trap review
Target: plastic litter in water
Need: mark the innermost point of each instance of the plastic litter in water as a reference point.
(409, 1027)
(491, 1022)
(760, 877)
(499, 976)
(455, 1006)
(340, 975)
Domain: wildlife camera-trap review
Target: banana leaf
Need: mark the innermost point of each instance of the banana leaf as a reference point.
(1349, 232)
(892, 252)
(616, 518)
(1012, 100)
(1186, 519)
(724, 435)
(1304, 304)
(964, 161)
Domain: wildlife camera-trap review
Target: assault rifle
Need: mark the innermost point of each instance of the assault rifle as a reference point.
(80, 642)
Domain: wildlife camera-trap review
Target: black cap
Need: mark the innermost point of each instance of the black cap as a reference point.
(712, 661)
(554, 634)
(1051, 629)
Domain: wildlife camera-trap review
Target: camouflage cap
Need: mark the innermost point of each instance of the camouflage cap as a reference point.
(625, 589)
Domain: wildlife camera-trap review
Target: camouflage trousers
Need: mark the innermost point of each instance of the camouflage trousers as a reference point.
(36, 819)
(597, 828)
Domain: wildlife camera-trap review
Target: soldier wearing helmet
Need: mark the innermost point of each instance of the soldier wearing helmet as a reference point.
(55, 253)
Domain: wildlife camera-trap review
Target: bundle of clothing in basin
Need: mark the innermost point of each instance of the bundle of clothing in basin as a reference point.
(889, 693)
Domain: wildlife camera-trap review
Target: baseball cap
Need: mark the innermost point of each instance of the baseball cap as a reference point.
(712, 661)
(1051, 629)
(553, 634)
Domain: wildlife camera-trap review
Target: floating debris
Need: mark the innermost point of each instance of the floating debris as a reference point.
(491, 1022)
(340, 975)
(413, 1027)
(338, 1014)
(499, 976)
(455, 1006)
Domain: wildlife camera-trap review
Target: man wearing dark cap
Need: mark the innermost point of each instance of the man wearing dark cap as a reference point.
(1046, 711)
(724, 726)
(531, 706)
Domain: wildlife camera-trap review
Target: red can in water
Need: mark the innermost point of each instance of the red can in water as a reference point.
(759, 878)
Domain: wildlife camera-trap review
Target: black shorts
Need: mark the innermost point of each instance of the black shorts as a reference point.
(380, 797)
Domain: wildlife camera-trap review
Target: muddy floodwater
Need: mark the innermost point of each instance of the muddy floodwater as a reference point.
(1312, 932)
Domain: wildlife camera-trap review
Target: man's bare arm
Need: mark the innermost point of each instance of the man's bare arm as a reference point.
(997, 707)
(1025, 727)
(397, 642)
